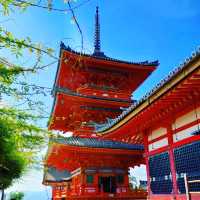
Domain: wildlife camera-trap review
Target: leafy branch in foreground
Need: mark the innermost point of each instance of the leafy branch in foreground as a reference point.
(21, 138)
(10, 72)
(8, 40)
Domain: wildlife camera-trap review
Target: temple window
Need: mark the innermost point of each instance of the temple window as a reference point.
(120, 179)
(90, 178)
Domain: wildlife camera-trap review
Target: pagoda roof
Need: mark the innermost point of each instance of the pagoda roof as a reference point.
(72, 153)
(96, 143)
(76, 94)
(102, 56)
(52, 174)
(172, 79)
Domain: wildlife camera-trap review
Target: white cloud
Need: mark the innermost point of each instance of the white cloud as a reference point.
(139, 172)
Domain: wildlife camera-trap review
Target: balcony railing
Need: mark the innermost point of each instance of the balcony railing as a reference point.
(187, 187)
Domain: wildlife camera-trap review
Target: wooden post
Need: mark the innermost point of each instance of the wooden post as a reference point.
(82, 182)
(172, 159)
(187, 192)
(96, 182)
(147, 163)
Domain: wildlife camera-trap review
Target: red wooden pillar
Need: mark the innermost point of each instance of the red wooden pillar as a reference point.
(96, 181)
(126, 181)
(146, 150)
(172, 160)
(82, 182)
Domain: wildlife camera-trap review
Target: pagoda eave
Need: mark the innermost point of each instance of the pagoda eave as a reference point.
(68, 109)
(71, 158)
(102, 62)
(89, 98)
(88, 68)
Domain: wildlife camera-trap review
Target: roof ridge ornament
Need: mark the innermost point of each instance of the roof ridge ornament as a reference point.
(97, 41)
(97, 44)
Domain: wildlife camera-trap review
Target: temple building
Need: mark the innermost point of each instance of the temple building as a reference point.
(112, 132)
(167, 122)
(89, 168)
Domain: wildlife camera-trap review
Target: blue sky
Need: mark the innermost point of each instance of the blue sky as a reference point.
(133, 30)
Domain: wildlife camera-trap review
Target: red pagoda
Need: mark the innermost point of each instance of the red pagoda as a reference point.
(89, 92)
(92, 89)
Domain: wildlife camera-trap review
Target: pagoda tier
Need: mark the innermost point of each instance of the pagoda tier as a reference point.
(74, 152)
(89, 183)
(78, 113)
(92, 89)
(82, 168)
(100, 76)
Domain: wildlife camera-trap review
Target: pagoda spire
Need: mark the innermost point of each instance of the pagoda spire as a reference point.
(97, 42)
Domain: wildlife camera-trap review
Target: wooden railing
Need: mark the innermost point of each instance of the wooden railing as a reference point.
(187, 187)
(92, 193)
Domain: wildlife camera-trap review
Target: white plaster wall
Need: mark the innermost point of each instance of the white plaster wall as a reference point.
(185, 133)
(158, 144)
(187, 118)
(157, 133)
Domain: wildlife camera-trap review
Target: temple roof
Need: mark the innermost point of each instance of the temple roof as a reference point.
(96, 143)
(105, 128)
(51, 174)
(102, 56)
(76, 94)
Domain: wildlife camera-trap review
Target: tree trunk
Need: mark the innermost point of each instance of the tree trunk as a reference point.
(2, 194)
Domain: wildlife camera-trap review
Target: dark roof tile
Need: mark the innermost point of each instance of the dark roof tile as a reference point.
(102, 56)
(96, 143)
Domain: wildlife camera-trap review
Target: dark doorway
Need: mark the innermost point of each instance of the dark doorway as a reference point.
(107, 184)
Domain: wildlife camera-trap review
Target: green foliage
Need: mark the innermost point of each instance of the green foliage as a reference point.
(11, 73)
(12, 162)
(7, 75)
(7, 5)
(16, 196)
(21, 139)
(20, 142)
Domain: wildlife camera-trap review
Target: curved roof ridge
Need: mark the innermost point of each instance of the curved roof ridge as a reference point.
(96, 143)
(104, 57)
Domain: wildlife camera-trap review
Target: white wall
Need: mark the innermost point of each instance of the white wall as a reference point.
(184, 120)
(187, 118)
(158, 144)
(157, 133)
